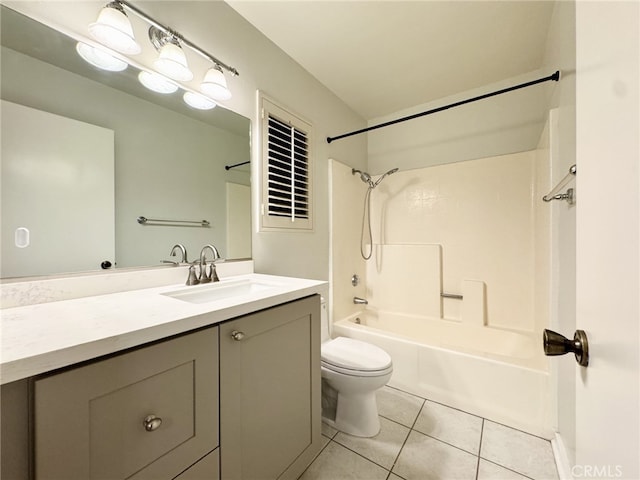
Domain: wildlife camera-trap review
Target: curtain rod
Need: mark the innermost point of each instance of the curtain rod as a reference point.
(229, 167)
(555, 77)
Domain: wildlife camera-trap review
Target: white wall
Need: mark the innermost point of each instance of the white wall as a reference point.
(499, 125)
(347, 204)
(217, 28)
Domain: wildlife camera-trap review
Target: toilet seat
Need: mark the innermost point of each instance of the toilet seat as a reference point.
(353, 357)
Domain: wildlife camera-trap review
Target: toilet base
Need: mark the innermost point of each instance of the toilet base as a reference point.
(356, 414)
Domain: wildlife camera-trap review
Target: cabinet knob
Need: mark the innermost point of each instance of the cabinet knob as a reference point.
(152, 423)
(237, 336)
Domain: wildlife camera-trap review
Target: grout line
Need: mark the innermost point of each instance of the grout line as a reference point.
(404, 391)
(424, 401)
(395, 421)
(361, 455)
(412, 429)
(455, 408)
(518, 430)
(445, 443)
(481, 437)
(507, 468)
(479, 450)
(316, 457)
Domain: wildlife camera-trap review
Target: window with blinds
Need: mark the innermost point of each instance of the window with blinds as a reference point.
(286, 169)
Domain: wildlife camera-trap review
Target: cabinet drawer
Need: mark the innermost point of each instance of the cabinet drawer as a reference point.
(149, 413)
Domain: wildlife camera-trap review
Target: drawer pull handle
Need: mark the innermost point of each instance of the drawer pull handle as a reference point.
(237, 336)
(152, 423)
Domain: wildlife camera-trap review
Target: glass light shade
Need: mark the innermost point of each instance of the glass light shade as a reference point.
(198, 101)
(215, 84)
(172, 63)
(99, 58)
(113, 29)
(156, 82)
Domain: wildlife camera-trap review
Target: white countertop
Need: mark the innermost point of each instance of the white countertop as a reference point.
(43, 337)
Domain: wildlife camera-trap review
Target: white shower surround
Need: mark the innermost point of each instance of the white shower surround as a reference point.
(487, 219)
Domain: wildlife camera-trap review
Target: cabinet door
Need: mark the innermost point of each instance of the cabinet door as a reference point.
(270, 392)
(90, 421)
(206, 469)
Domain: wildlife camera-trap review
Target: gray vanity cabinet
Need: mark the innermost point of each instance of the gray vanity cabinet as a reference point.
(270, 392)
(238, 400)
(148, 413)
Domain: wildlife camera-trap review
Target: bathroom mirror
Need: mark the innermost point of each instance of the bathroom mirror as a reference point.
(168, 162)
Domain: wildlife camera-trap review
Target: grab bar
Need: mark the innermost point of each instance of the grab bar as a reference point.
(451, 295)
(175, 223)
(568, 195)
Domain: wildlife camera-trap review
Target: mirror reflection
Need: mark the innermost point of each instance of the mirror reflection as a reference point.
(85, 153)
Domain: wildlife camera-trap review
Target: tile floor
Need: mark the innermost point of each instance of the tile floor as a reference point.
(423, 440)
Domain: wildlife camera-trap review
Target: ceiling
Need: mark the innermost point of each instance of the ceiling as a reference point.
(381, 57)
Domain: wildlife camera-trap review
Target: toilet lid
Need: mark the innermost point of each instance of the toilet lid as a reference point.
(353, 354)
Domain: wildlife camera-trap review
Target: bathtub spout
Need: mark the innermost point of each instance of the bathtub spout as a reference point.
(360, 301)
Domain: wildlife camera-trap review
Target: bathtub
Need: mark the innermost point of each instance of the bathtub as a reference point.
(497, 374)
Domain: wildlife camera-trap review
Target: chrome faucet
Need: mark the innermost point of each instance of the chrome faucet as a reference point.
(212, 276)
(360, 301)
(182, 250)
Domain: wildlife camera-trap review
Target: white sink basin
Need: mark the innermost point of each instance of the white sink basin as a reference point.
(211, 292)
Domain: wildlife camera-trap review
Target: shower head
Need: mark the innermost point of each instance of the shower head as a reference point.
(390, 172)
(364, 176)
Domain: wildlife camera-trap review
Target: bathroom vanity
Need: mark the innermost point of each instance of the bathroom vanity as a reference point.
(215, 386)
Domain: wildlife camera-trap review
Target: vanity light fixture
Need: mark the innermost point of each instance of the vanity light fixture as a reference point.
(156, 82)
(215, 85)
(113, 29)
(99, 58)
(198, 101)
(171, 60)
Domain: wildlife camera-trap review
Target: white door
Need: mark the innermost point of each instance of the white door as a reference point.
(608, 287)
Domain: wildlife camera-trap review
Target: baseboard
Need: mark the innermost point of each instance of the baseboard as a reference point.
(562, 459)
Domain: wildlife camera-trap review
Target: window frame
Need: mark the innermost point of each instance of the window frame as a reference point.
(269, 109)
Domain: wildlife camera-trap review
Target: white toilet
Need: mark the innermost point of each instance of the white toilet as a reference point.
(352, 371)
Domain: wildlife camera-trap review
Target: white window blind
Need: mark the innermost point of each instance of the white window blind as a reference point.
(286, 169)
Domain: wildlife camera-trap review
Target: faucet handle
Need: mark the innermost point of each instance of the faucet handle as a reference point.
(193, 278)
(204, 276)
(213, 275)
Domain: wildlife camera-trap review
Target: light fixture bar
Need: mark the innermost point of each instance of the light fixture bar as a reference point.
(169, 31)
